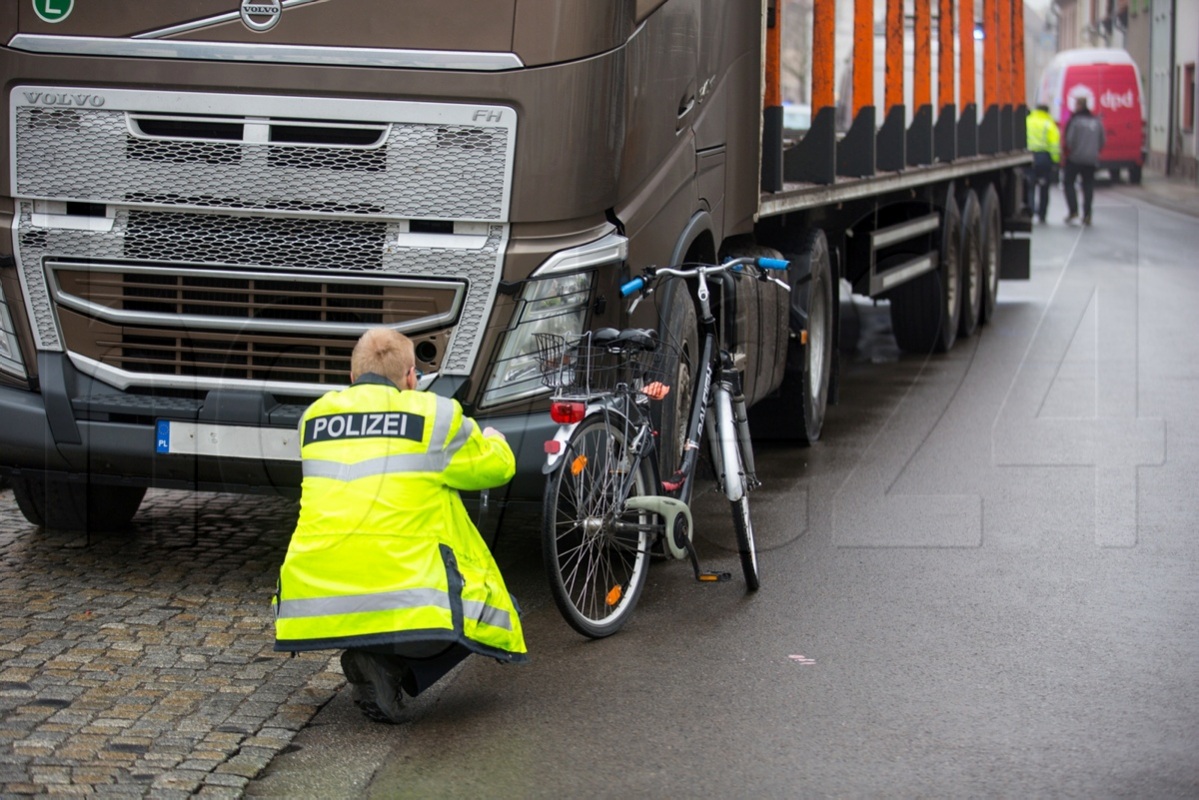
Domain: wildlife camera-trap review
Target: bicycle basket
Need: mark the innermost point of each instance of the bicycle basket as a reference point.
(578, 368)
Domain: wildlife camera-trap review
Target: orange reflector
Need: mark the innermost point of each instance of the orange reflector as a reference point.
(615, 594)
(578, 465)
(709, 577)
(803, 337)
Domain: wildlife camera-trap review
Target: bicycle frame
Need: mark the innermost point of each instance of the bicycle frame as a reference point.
(719, 380)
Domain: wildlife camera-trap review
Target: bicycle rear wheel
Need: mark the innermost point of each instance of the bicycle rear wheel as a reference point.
(596, 552)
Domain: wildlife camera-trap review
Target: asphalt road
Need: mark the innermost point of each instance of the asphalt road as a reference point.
(984, 581)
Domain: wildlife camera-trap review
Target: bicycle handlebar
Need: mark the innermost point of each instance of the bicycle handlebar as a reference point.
(628, 288)
(651, 273)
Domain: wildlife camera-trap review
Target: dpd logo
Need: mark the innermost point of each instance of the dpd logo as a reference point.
(1110, 99)
(1080, 90)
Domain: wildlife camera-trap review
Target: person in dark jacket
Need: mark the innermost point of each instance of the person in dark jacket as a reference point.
(1084, 141)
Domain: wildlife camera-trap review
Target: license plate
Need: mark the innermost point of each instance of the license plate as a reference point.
(179, 437)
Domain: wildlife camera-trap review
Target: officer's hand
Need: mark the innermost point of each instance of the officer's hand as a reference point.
(490, 431)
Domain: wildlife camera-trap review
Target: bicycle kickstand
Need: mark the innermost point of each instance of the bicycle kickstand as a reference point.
(700, 575)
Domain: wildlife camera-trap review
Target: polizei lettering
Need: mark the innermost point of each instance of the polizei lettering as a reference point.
(63, 99)
(387, 424)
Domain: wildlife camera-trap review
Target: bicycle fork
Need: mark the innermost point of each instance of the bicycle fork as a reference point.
(732, 454)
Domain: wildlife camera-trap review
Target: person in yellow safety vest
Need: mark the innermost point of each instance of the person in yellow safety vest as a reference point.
(1044, 142)
(385, 562)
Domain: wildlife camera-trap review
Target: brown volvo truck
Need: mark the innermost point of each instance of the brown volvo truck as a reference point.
(206, 203)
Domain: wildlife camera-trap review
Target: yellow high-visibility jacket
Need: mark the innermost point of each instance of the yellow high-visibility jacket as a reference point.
(1042, 135)
(384, 552)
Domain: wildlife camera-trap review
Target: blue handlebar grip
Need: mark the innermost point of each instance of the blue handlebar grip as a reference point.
(773, 263)
(627, 289)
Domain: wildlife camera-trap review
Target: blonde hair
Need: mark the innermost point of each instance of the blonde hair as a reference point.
(385, 352)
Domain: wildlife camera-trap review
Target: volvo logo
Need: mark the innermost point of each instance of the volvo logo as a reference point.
(261, 15)
(64, 99)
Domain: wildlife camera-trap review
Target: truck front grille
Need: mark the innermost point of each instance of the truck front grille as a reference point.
(277, 242)
(232, 325)
(205, 238)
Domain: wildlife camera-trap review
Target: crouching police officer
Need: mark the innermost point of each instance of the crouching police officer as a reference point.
(385, 562)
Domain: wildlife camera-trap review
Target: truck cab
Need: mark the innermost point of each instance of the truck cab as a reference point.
(206, 204)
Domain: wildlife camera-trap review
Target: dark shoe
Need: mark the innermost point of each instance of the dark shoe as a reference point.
(376, 690)
(1041, 219)
(1086, 220)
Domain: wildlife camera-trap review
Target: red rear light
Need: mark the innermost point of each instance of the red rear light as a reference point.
(566, 412)
(553, 446)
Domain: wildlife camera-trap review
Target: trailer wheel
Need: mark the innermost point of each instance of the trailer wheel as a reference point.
(60, 505)
(992, 251)
(813, 362)
(972, 269)
(679, 328)
(926, 311)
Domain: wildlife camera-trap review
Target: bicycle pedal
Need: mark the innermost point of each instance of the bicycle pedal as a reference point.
(714, 577)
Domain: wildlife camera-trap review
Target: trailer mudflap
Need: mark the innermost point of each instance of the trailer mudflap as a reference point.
(1017, 258)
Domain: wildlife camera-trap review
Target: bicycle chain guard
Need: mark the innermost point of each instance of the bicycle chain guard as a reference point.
(669, 508)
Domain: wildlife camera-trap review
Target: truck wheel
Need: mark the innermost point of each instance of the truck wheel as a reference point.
(972, 269)
(926, 311)
(813, 361)
(60, 505)
(678, 327)
(992, 251)
(1134, 174)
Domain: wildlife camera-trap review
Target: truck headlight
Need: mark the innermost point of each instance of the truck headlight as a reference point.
(10, 351)
(554, 300)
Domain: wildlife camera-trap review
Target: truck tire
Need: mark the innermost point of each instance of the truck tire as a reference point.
(972, 269)
(796, 411)
(1134, 174)
(926, 311)
(678, 329)
(813, 362)
(57, 504)
(992, 250)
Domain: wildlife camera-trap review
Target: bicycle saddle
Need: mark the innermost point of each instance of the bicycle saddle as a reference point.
(604, 336)
(637, 339)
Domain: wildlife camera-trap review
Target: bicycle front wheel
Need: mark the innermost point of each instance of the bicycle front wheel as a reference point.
(745, 543)
(736, 485)
(596, 552)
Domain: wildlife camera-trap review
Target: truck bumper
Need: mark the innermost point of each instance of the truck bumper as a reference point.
(81, 434)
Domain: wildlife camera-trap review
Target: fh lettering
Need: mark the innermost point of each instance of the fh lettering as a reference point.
(367, 425)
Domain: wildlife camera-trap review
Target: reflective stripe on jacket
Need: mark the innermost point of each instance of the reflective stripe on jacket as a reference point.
(1042, 135)
(384, 552)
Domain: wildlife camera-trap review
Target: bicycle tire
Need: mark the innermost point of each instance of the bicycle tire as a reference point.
(596, 558)
(745, 543)
(732, 463)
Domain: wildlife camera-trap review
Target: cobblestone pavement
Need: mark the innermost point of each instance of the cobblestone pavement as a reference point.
(141, 663)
